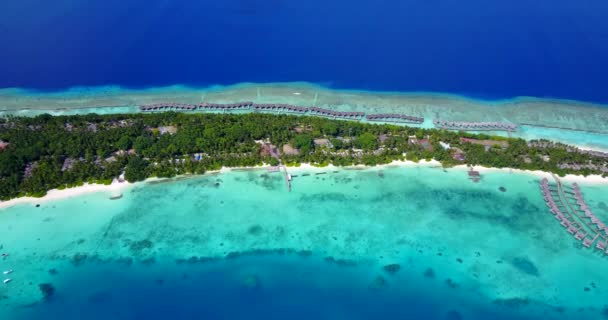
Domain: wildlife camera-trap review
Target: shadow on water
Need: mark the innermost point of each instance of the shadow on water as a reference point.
(271, 284)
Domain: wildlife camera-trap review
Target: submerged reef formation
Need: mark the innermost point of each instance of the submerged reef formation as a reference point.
(524, 265)
(47, 290)
(392, 268)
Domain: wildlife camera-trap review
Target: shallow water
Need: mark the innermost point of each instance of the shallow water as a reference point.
(238, 244)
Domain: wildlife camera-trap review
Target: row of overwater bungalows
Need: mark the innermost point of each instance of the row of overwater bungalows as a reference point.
(560, 212)
(588, 214)
(474, 126)
(335, 114)
(268, 107)
(288, 108)
(394, 117)
(201, 106)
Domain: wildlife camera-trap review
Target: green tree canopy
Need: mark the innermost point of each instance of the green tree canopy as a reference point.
(367, 141)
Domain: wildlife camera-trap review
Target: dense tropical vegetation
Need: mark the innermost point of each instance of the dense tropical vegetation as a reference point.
(46, 152)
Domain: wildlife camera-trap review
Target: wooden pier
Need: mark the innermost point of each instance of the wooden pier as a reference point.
(287, 178)
(475, 176)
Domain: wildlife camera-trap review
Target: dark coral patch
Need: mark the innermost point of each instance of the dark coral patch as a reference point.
(138, 246)
(148, 261)
(525, 265)
(255, 230)
(392, 268)
(512, 302)
(79, 258)
(429, 273)
(451, 283)
(340, 262)
(47, 290)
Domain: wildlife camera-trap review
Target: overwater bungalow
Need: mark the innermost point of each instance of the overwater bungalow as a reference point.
(588, 242)
(572, 229)
(580, 235)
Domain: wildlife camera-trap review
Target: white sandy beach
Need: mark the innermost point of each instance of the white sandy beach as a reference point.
(117, 188)
(589, 180)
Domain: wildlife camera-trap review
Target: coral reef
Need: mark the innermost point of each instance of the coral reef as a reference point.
(512, 302)
(47, 290)
(392, 268)
(451, 283)
(524, 265)
(340, 262)
(137, 247)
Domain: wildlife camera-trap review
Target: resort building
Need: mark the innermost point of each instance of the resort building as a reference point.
(3, 145)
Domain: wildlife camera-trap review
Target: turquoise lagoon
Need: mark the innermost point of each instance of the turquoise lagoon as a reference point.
(238, 245)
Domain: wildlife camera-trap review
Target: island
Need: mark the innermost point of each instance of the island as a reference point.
(47, 152)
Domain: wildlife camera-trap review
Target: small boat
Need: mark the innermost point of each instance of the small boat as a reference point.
(8, 271)
(7, 280)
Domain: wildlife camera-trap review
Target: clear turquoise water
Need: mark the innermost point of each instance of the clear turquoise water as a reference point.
(320, 250)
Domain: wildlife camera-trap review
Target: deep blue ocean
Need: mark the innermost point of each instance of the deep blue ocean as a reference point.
(255, 287)
(484, 49)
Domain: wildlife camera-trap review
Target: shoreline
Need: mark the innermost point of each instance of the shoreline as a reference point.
(118, 187)
(55, 194)
(588, 180)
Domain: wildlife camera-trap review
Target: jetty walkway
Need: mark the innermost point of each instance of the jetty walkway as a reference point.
(283, 169)
(569, 208)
